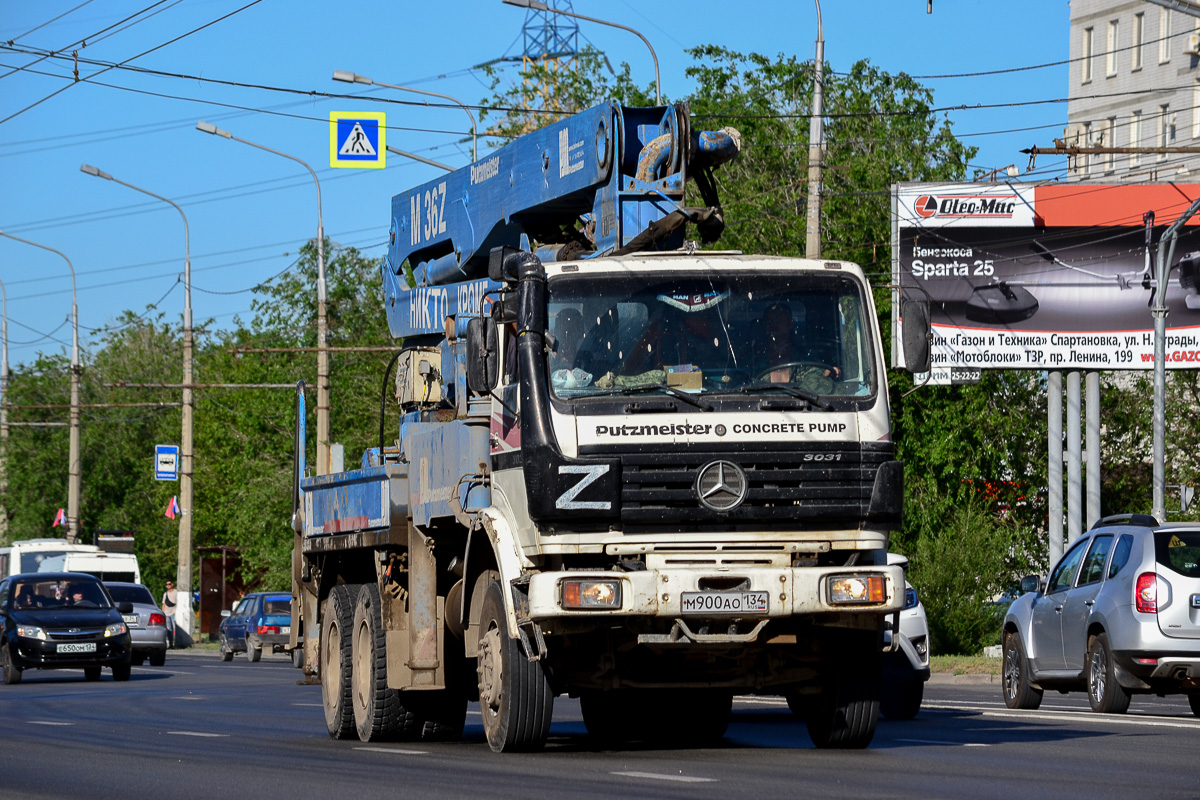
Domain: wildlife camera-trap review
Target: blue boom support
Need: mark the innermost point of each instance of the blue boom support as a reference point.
(614, 170)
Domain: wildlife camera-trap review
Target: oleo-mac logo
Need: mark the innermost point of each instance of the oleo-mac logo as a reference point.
(961, 205)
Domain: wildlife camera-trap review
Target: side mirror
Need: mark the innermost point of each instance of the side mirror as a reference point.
(915, 334)
(502, 268)
(482, 361)
(226, 612)
(1031, 583)
(125, 607)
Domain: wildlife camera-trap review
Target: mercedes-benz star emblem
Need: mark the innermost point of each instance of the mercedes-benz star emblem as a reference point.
(721, 485)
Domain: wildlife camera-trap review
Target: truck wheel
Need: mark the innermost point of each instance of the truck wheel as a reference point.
(1018, 692)
(845, 713)
(337, 620)
(515, 699)
(378, 713)
(901, 699)
(12, 673)
(1105, 695)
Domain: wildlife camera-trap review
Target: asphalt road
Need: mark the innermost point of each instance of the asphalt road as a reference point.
(202, 728)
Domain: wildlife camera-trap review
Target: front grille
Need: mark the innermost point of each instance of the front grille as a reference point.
(807, 485)
(71, 634)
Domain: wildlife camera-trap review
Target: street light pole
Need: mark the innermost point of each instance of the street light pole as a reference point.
(816, 133)
(4, 416)
(73, 466)
(323, 465)
(350, 77)
(537, 5)
(183, 576)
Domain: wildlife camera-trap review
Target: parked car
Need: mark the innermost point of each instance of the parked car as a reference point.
(147, 623)
(906, 669)
(1118, 615)
(259, 620)
(62, 620)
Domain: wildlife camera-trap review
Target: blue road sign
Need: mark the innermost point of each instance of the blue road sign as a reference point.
(357, 139)
(166, 462)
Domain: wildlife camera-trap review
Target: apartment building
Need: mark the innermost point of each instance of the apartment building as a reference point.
(1134, 82)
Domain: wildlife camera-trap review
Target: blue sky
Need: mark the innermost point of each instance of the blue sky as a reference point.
(249, 211)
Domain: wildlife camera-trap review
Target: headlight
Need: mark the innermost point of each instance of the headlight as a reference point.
(910, 598)
(591, 593)
(856, 590)
(115, 629)
(31, 632)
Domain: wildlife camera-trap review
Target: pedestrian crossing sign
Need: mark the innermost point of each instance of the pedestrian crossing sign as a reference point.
(357, 139)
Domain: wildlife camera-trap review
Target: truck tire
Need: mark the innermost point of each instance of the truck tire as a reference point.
(442, 714)
(515, 699)
(845, 713)
(1105, 695)
(337, 621)
(378, 713)
(1018, 691)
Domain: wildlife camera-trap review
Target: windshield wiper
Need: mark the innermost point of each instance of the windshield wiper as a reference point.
(671, 390)
(808, 397)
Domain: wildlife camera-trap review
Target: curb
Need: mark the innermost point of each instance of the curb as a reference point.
(946, 678)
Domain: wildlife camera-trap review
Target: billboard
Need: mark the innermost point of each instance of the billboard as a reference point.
(1025, 276)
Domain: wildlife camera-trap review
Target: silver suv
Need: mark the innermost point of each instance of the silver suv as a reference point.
(1119, 615)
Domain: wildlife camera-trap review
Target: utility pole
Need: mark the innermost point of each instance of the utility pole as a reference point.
(816, 133)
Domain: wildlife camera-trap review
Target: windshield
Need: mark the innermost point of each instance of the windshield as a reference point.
(43, 560)
(766, 330)
(130, 594)
(58, 594)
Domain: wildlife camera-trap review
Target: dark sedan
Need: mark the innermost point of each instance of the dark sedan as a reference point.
(62, 620)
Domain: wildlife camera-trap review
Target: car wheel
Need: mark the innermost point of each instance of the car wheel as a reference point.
(1018, 692)
(121, 672)
(12, 672)
(1194, 702)
(91, 673)
(226, 653)
(337, 622)
(298, 657)
(844, 715)
(158, 658)
(901, 699)
(1105, 695)
(253, 654)
(515, 699)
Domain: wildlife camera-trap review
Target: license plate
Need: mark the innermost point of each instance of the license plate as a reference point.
(77, 647)
(724, 602)
(130, 619)
(285, 629)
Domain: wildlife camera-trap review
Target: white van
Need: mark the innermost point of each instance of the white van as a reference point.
(59, 555)
(119, 567)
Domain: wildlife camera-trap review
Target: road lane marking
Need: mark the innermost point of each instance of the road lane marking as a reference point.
(937, 741)
(655, 776)
(395, 750)
(1078, 717)
(760, 701)
(199, 733)
(55, 724)
(312, 705)
(474, 713)
(189, 697)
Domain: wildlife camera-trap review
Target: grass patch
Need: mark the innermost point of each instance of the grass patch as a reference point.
(965, 665)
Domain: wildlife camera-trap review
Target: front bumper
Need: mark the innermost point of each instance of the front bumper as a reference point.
(44, 654)
(791, 592)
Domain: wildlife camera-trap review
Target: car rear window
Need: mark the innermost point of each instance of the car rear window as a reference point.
(1178, 551)
(277, 605)
(130, 594)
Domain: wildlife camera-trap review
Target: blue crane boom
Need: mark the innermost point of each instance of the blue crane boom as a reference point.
(607, 180)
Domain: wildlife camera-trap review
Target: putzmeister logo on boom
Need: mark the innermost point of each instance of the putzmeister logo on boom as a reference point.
(967, 206)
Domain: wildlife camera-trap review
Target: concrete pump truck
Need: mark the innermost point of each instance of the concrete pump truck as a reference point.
(626, 469)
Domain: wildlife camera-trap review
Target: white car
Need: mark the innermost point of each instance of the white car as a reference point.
(906, 670)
